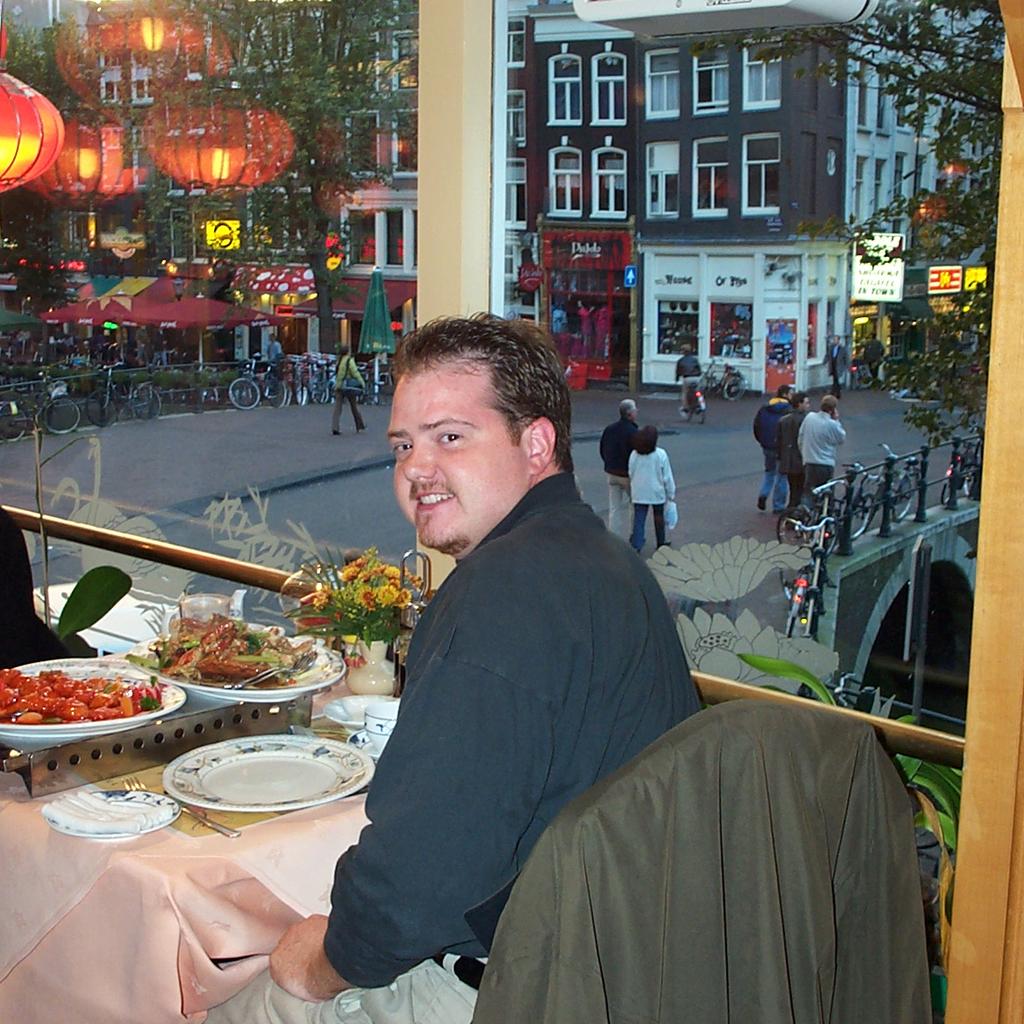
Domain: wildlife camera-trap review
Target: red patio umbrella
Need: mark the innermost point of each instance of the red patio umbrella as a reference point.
(95, 312)
(195, 311)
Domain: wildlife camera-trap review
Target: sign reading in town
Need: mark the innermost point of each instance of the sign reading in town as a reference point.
(945, 280)
(878, 267)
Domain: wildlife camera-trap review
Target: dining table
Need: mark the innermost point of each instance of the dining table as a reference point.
(156, 928)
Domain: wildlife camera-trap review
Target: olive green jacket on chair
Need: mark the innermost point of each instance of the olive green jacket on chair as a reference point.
(756, 865)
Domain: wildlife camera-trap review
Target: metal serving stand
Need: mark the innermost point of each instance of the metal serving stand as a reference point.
(202, 720)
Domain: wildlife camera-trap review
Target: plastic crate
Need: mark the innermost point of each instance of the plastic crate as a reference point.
(599, 369)
(576, 375)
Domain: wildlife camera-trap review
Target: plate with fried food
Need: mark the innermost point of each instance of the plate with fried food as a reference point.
(222, 656)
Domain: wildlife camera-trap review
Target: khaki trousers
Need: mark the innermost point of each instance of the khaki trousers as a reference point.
(620, 505)
(428, 994)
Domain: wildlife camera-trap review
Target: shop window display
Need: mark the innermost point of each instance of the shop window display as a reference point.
(731, 330)
(812, 331)
(678, 328)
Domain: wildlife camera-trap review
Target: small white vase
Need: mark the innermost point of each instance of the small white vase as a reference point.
(377, 676)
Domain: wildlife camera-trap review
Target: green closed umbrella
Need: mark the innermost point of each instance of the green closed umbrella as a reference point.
(376, 335)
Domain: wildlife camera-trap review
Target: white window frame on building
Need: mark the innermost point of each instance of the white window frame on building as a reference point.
(384, 222)
(110, 80)
(860, 164)
(878, 185)
(515, 192)
(516, 52)
(608, 88)
(564, 89)
(405, 140)
(659, 85)
(898, 179)
(662, 167)
(761, 167)
(515, 115)
(863, 88)
(713, 66)
(713, 169)
(762, 82)
(608, 184)
(406, 47)
(564, 181)
(142, 80)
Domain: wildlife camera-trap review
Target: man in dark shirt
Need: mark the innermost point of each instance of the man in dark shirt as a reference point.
(547, 660)
(616, 446)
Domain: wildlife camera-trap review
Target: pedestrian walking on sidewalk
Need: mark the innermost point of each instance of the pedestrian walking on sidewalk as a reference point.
(838, 364)
(766, 431)
(791, 465)
(616, 447)
(651, 484)
(820, 436)
(348, 383)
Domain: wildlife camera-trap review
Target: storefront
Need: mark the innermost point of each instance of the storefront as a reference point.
(766, 313)
(584, 301)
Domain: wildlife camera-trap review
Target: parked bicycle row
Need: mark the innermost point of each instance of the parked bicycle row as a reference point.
(59, 402)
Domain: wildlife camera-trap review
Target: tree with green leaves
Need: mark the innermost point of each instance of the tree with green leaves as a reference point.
(941, 63)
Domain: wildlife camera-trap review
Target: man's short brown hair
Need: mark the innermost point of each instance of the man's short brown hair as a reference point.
(829, 403)
(526, 373)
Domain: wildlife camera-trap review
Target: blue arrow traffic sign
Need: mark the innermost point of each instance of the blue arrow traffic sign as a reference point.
(629, 275)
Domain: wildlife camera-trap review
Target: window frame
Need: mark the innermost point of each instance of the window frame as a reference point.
(553, 173)
(511, 35)
(749, 210)
(748, 66)
(615, 85)
(519, 113)
(713, 106)
(660, 175)
(515, 188)
(649, 112)
(597, 175)
(404, 81)
(556, 85)
(711, 212)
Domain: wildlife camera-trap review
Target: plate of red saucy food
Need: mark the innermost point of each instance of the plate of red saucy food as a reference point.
(69, 698)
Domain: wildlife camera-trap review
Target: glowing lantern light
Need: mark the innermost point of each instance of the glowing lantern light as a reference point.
(152, 32)
(90, 165)
(219, 148)
(31, 132)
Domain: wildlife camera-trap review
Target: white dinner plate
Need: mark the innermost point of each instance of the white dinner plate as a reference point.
(90, 668)
(268, 773)
(110, 814)
(328, 669)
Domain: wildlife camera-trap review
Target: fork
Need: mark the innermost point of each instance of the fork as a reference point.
(136, 785)
(304, 662)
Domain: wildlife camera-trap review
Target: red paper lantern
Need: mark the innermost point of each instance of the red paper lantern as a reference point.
(219, 148)
(31, 133)
(91, 165)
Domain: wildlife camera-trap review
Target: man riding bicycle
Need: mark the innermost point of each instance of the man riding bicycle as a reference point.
(689, 372)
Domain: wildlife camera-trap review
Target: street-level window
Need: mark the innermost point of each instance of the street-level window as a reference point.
(731, 330)
(711, 81)
(663, 179)
(395, 227)
(565, 85)
(662, 93)
(678, 328)
(608, 84)
(762, 81)
(515, 193)
(565, 182)
(362, 237)
(609, 169)
(516, 42)
(516, 114)
(761, 163)
(407, 50)
(710, 177)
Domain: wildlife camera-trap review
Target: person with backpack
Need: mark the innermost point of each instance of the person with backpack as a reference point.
(766, 431)
(348, 383)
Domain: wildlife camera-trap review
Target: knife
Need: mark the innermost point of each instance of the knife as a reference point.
(201, 816)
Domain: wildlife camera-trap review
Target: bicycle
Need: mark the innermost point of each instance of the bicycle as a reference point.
(57, 412)
(246, 390)
(15, 415)
(378, 386)
(723, 379)
(866, 503)
(805, 593)
(792, 525)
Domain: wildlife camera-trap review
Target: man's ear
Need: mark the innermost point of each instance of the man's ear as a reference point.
(538, 441)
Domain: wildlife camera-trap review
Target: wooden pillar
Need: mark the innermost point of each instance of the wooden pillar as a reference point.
(987, 954)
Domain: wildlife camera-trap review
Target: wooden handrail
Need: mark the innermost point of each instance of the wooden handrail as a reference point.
(897, 737)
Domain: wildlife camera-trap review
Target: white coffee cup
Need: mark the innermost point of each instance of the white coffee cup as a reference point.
(379, 723)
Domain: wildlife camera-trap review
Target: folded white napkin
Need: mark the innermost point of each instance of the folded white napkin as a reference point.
(115, 813)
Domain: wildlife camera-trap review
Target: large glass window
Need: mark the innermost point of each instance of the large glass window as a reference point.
(395, 227)
(515, 111)
(407, 57)
(710, 177)
(609, 168)
(678, 328)
(608, 83)
(404, 157)
(565, 182)
(731, 330)
(516, 42)
(662, 92)
(711, 82)
(515, 193)
(565, 87)
(362, 235)
(762, 81)
(663, 179)
(761, 162)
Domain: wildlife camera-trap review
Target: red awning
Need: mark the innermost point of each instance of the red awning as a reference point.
(352, 305)
(281, 280)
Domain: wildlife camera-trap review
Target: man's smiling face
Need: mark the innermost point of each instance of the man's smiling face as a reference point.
(458, 472)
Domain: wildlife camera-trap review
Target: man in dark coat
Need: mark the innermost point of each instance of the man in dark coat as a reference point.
(766, 427)
(616, 445)
(791, 465)
(838, 363)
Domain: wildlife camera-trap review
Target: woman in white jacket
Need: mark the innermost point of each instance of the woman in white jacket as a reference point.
(651, 484)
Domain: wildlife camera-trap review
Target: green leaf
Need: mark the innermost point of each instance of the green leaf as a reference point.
(790, 670)
(94, 595)
(909, 766)
(942, 784)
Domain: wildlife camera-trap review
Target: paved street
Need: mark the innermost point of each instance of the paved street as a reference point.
(173, 470)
